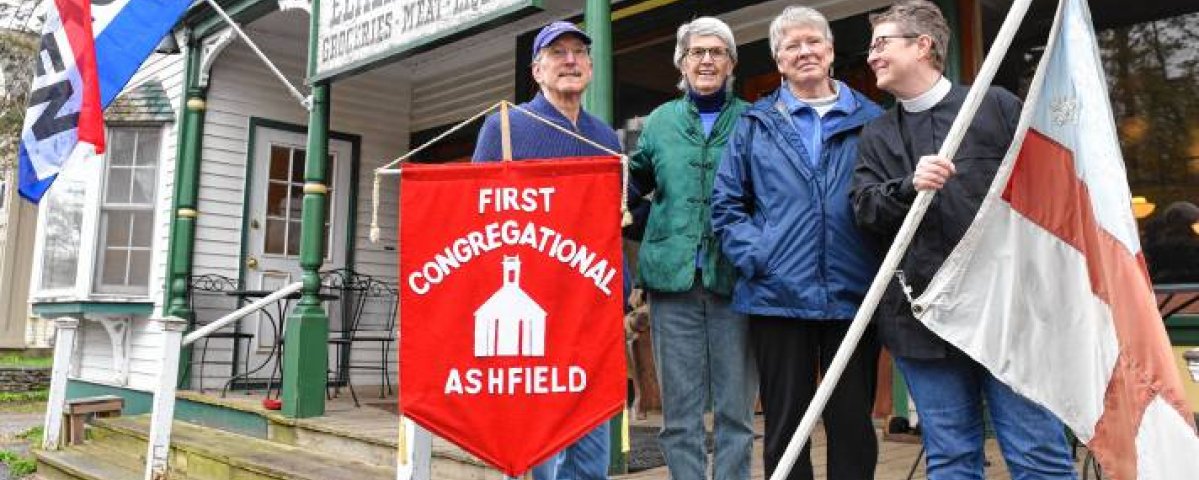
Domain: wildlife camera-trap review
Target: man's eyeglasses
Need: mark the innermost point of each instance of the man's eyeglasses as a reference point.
(698, 53)
(560, 53)
(880, 42)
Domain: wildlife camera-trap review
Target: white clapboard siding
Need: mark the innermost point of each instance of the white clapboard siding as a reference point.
(453, 82)
(450, 98)
(95, 348)
(145, 341)
(374, 106)
(97, 355)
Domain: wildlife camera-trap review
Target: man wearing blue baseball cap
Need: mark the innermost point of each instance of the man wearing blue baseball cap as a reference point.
(562, 68)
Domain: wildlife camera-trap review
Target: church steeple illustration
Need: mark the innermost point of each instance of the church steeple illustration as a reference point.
(510, 323)
(512, 271)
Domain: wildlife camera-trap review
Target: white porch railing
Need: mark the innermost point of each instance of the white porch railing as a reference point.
(164, 395)
(415, 446)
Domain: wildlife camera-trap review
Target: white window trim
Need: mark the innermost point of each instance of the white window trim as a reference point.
(152, 207)
(90, 173)
(83, 290)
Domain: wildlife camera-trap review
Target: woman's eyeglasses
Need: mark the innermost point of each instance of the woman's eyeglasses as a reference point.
(880, 42)
(698, 53)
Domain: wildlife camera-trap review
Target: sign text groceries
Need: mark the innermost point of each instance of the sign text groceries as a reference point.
(513, 233)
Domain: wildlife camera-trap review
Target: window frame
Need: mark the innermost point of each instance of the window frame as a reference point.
(93, 173)
(101, 241)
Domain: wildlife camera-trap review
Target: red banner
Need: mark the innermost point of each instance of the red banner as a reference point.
(511, 337)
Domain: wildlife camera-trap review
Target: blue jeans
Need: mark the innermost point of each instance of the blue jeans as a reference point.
(702, 351)
(950, 394)
(586, 459)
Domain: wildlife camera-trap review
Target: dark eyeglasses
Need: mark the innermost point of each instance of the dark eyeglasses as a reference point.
(880, 42)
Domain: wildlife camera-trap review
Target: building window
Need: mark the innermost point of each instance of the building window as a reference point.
(285, 196)
(63, 213)
(1149, 57)
(126, 223)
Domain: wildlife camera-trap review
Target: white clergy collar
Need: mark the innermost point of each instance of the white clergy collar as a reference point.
(928, 99)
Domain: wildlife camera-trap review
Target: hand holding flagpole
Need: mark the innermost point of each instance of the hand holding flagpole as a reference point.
(908, 230)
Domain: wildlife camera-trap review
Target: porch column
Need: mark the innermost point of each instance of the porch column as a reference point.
(598, 100)
(597, 19)
(953, 60)
(305, 349)
(184, 211)
(64, 346)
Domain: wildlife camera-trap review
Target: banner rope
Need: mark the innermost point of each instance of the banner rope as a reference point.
(626, 217)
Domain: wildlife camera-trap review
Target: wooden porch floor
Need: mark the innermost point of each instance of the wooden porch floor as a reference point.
(375, 420)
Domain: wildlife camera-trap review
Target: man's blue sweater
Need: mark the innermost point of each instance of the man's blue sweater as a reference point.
(533, 139)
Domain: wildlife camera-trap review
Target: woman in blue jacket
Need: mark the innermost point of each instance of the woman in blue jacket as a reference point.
(780, 208)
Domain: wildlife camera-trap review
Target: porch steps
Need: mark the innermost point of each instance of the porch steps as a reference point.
(118, 448)
(368, 435)
(84, 462)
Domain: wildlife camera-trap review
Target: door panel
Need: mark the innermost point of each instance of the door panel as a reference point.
(277, 191)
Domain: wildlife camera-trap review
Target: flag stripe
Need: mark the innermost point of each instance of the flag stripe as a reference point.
(1165, 446)
(1023, 293)
(1044, 187)
(128, 38)
(75, 16)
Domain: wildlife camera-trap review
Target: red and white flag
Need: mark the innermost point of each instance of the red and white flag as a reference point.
(1048, 288)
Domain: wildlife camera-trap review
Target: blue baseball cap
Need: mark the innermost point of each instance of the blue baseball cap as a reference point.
(554, 30)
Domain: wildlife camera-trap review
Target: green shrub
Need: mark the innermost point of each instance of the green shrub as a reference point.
(33, 436)
(18, 465)
(24, 397)
(18, 360)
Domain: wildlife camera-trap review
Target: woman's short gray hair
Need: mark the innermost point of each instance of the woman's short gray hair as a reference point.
(699, 27)
(796, 16)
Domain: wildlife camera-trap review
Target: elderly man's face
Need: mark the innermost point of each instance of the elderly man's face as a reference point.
(804, 56)
(564, 67)
(707, 64)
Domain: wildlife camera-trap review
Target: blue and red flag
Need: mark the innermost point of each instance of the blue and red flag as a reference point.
(88, 52)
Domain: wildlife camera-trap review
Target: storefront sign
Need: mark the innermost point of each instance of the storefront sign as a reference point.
(511, 304)
(354, 35)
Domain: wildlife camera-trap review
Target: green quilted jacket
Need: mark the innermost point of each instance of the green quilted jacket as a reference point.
(677, 162)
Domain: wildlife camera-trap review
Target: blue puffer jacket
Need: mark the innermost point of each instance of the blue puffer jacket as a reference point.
(788, 226)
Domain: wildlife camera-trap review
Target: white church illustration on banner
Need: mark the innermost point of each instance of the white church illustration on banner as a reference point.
(510, 323)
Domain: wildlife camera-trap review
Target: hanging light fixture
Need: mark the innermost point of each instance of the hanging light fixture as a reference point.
(1195, 228)
(1192, 358)
(1142, 207)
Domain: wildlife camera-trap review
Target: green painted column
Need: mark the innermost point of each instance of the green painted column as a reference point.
(597, 19)
(598, 100)
(305, 350)
(953, 57)
(186, 196)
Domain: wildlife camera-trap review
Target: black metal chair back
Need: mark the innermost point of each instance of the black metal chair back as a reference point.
(209, 300)
(368, 308)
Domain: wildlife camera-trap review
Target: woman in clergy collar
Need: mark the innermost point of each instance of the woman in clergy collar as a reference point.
(781, 211)
(897, 158)
(700, 344)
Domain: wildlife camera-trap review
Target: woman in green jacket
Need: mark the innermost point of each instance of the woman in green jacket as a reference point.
(700, 344)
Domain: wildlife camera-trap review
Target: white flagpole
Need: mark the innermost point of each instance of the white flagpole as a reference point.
(305, 101)
(1002, 41)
